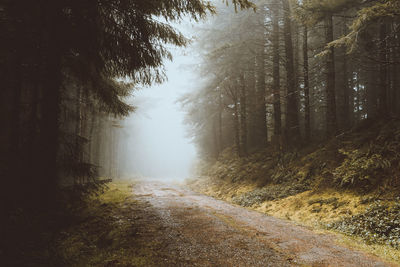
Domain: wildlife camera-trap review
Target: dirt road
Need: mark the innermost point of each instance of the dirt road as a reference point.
(201, 231)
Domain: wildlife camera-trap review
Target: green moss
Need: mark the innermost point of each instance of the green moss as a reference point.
(329, 183)
(102, 233)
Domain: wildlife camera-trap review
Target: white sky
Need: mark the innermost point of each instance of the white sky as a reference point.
(157, 146)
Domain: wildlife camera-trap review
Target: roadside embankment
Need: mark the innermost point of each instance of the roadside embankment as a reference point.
(349, 184)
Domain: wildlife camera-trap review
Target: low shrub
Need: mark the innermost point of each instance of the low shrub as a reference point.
(271, 192)
(380, 223)
(360, 168)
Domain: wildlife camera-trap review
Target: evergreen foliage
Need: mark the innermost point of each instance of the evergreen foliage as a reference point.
(62, 63)
(300, 84)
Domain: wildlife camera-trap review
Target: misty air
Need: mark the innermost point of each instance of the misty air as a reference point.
(200, 133)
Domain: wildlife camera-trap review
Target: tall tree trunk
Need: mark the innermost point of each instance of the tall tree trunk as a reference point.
(351, 94)
(236, 127)
(395, 82)
(371, 77)
(276, 70)
(99, 143)
(14, 184)
(252, 105)
(91, 137)
(32, 132)
(243, 116)
(307, 114)
(262, 130)
(220, 110)
(215, 139)
(331, 120)
(392, 89)
(51, 102)
(292, 120)
(396, 71)
(50, 128)
(358, 102)
(346, 93)
(78, 132)
(393, 70)
(383, 87)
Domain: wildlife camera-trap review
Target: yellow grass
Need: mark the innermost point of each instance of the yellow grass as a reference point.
(117, 192)
(313, 208)
(310, 208)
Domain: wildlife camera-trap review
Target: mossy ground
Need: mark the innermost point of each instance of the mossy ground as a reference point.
(322, 184)
(110, 228)
(313, 208)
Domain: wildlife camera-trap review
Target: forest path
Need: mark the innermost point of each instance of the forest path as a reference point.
(198, 230)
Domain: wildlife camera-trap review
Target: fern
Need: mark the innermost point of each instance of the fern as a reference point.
(360, 168)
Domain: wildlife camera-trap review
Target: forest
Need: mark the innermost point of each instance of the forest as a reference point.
(64, 68)
(297, 114)
(292, 96)
(306, 71)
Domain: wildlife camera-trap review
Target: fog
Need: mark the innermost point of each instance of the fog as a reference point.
(156, 142)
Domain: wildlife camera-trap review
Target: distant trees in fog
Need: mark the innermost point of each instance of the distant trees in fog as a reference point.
(60, 100)
(294, 72)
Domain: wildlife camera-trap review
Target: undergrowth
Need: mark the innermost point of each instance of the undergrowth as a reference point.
(94, 225)
(106, 232)
(28, 231)
(260, 195)
(380, 223)
(360, 166)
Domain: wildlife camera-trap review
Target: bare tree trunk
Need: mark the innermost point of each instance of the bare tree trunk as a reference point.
(215, 139)
(33, 123)
(220, 110)
(252, 105)
(51, 103)
(331, 119)
(358, 102)
(236, 124)
(276, 70)
(262, 131)
(395, 80)
(292, 121)
(383, 72)
(346, 93)
(307, 114)
(396, 71)
(16, 117)
(78, 131)
(50, 128)
(243, 116)
(351, 95)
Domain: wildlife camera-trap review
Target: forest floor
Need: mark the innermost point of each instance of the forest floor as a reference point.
(198, 230)
(155, 224)
(347, 186)
(311, 210)
(147, 223)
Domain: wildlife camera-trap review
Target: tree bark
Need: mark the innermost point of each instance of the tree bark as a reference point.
(220, 110)
(51, 102)
(292, 120)
(262, 130)
(331, 119)
(243, 116)
(236, 128)
(307, 114)
(383, 72)
(346, 93)
(276, 70)
(252, 105)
